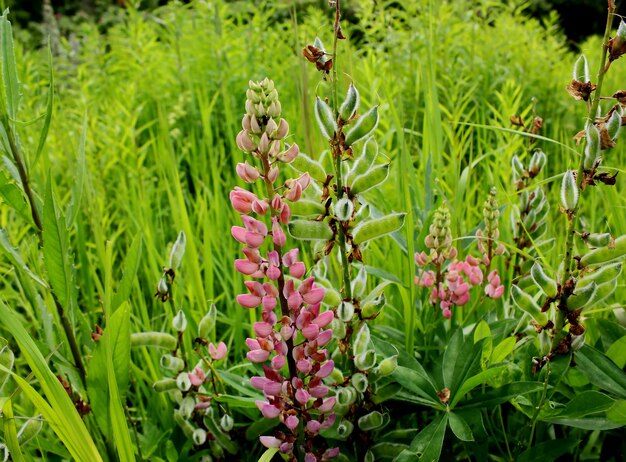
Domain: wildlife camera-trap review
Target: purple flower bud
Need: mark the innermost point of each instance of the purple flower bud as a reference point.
(272, 388)
(262, 329)
(259, 382)
(319, 391)
(326, 369)
(310, 457)
(304, 366)
(324, 337)
(313, 426)
(268, 410)
(258, 356)
(327, 405)
(302, 396)
(311, 331)
(329, 421)
(270, 441)
(292, 422)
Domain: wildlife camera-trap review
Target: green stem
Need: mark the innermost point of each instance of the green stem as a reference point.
(65, 322)
(337, 155)
(559, 334)
(533, 421)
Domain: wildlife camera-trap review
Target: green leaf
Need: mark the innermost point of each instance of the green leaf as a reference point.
(417, 383)
(7, 360)
(474, 381)
(56, 250)
(586, 410)
(13, 196)
(460, 428)
(59, 411)
(268, 455)
(49, 109)
(502, 394)
(617, 412)
(549, 450)
(238, 401)
(481, 332)
(10, 433)
(428, 443)
(503, 349)
(16, 259)
(9, 69)
(79, 183)
(117, 346)
(601, 371)
(131, 266)
(617, 352)
(460, 360)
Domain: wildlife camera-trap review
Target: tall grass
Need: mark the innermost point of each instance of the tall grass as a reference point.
(162, 95)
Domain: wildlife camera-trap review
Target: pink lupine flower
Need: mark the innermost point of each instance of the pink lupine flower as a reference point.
(247, 173)
(258, 356)
(327, 405)
(218, 352)
(326, 369)
(242, 200)
(285, 214)
(310, 457)
(273, 174)
(270, 441)
(294, 193)
(197, 377)
(302, 396)
(292, 422)
(278, 235)
(289, 154)
(494, 289)
(330, 454)
(260, 207)
(313, 426)
(268, 410)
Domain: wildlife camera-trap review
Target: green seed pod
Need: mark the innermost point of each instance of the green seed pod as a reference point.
(366, 160)
(603, 292)
(310, 230)
(172, 363)
(599, 239)
(359, 382)
(153, 339)
(365, 361)
(304, 163)
(569, 191)
(345, 311)
(339, 328)
(183, 382)
(344, 209)
(332, 297)
(543, 281)
(621, 31)
(370, 421)
(336, 376)
(346, 396)
(350, 105)
(373, 307)
(605, 254)
(186, 406)
(179, 323)
(388, 365)
(366, 181)
(581, 69)
(361, 340)
(526, 303)
(165, 385)
(206, 326)
(344, 429)
(369, 456)
(325, 118)
(537, 161)
(582, 296)
(518, 168)
(186, 427)
(227, 422)
(178, 251)
(377, 227)
(359, 283)
(199, 436)
(606, 274)
(613, 125)
(363, 126)
(307, 208)
(29, 430)
(592, 148)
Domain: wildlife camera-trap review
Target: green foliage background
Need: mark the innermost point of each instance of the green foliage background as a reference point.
(162, 94)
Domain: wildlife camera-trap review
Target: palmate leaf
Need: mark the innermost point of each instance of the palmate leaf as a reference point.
(601, 371)
(427, 445)
(58, 409)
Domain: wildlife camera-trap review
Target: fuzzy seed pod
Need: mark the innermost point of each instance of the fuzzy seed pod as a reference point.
(363, 126)
(543, 281)
(153, 339)
(569, 191)
(592, 148)
(368, 180)
(325, 118)
(526, 303)
(350, 105)
(581, 69)
(377, 227)
(370, 421)
(310, 230)
(605, 254)
(582, 297)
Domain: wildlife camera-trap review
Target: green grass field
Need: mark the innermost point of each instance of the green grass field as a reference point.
(140, 145)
